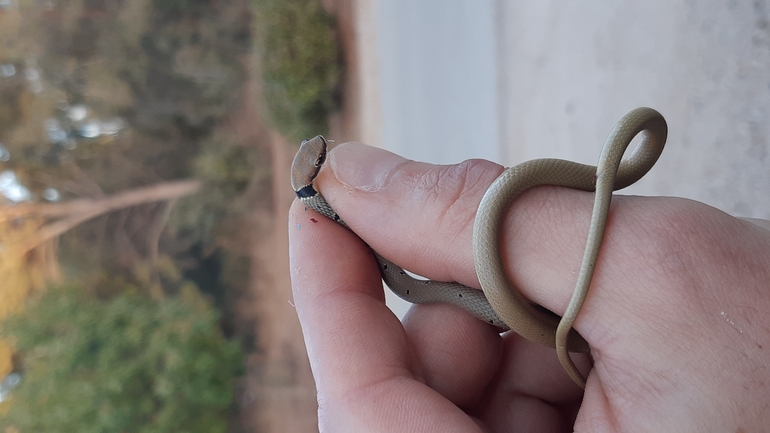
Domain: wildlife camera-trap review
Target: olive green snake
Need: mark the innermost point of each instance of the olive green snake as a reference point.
(499, 303)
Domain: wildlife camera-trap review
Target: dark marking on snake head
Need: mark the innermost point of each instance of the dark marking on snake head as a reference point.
(407, 292)
(306, 191)
(491, 321)
(459, 295)
(426, 282)
(402, 272)
(385, 267)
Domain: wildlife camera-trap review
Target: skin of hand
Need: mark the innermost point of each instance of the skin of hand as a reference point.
(678, 314)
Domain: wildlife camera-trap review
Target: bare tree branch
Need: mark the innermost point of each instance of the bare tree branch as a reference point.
(76, 212)
(158, 192)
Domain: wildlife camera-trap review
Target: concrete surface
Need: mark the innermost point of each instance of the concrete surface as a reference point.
(568, 71)
(437, 67)
(564, 73)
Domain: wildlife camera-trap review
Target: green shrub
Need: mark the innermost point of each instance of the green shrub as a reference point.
(123, 365)
(300, 64)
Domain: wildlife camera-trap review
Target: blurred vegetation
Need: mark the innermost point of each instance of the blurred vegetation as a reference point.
(169, 71)
(301, 65)
(166, 76)
(231, 172)
(124, 364)
(99, 97)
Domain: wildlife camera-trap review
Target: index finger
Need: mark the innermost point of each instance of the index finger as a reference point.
(360, 355)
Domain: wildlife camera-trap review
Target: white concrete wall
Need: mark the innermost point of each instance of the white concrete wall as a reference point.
(515, 80)
(569, 70)
(438, 78)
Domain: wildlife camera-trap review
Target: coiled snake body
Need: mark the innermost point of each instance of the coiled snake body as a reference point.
(499, 303)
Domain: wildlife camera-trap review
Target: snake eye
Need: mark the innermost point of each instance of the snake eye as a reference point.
(321, 159)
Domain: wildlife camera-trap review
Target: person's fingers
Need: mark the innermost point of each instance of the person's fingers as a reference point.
(358, 351)
(531, 387)
(336, 284)
(674, 277)
(366, 376)
(524, 373)
(448, 341)
(421, 217)
(423, 253)
(408, 210)
(459, 354)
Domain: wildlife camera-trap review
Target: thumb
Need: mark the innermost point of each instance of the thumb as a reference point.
(420, 216)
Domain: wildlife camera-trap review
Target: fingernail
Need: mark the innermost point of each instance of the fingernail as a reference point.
(363, 167)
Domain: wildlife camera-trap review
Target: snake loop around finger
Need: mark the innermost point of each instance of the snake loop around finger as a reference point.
(610, 174)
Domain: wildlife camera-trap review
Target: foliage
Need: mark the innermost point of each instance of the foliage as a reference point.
(300, 63)
(126, 364)
(230, 170)
(170, 71)
(19, 273)
(191, 65)
(166, 71)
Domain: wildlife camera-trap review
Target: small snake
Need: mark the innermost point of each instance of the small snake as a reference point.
(499, 303)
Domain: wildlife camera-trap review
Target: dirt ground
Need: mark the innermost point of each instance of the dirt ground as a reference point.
(278, 395)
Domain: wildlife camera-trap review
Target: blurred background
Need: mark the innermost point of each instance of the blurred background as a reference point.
(145, 150)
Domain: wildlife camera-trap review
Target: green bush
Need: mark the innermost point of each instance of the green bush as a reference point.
(300, 64)
(123, 365)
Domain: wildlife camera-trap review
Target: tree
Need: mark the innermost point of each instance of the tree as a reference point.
(301, 65)
(126, 364)
(72, 213)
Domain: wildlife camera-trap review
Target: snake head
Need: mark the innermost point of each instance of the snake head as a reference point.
(308, 161)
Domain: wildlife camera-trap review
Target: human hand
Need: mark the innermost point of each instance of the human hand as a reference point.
(677, 315)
